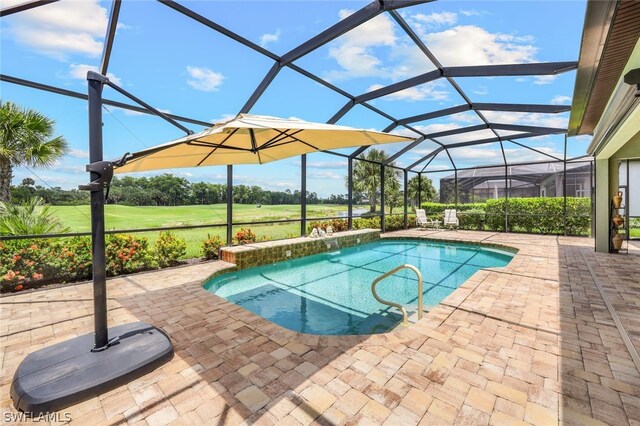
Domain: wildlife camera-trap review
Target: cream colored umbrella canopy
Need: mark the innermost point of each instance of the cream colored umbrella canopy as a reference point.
(252, 139)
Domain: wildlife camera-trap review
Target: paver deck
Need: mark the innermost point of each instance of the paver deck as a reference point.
(533, 342)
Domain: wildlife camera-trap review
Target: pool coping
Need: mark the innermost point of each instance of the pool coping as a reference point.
(401, 334)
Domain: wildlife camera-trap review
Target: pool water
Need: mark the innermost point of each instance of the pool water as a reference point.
(330, 293)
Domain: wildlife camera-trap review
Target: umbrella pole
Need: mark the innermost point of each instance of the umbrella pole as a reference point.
(80, 368)
(97, 218)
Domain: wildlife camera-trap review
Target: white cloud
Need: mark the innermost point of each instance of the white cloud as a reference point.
(79, 72)
(561, 100)
(523, 154)
(61, 29)
(70, 168)
(327, 164)
(326, 174)
(475, 152)
(436, 19)
(429, 91)
(466, 117)
(467, 136)
(481, 91)
(78, 153)
(223, 118)
(487, 153)
(375, 50)
(471, 12)
(204, 79)
(267, 38)
(354, 50)
(544, 79)
(527, 118)
(473, 45)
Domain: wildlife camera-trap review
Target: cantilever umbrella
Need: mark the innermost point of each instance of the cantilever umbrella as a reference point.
(252, 139)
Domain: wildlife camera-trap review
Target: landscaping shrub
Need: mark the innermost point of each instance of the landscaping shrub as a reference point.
(126, 254)
(211, 247)
(366, 222)
(472, 219)
(245, 236)
(32, 263)
(432, 208)
(578, 216)
(396, 222)
(338, 225)
(538, 215)
(169, 249)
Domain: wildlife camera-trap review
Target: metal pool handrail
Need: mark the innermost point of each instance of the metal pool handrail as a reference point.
(405, 320)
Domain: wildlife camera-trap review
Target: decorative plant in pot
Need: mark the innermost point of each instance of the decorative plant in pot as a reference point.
(617, 241)
(617, 200)
(618, 220)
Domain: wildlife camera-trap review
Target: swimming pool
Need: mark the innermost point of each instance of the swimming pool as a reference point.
(330, 293)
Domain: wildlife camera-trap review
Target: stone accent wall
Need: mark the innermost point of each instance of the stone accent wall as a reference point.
(250, 255)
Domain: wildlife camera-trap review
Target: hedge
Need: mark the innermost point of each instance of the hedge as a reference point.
(33, 263)
(540, 215)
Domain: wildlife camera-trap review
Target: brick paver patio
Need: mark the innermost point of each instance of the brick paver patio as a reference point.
(533, 342)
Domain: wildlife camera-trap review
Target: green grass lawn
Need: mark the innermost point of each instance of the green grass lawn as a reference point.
(77, 218)
(127, 217)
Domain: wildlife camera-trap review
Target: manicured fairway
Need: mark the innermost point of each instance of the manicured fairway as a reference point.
(127, 217)
(77, 218)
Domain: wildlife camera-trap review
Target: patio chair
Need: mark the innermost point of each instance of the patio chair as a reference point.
(451, 219)
(424, 222)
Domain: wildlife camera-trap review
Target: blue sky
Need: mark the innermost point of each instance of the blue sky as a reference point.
(180, 66)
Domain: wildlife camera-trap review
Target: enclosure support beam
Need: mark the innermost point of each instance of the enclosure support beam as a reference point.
(77, 95)
(504, 159)
(350, 193)
(406, 198)
(24, 6)
(455, 187)
(419, 190)
(266, 81)
(506, 198)
(229, 205)
(303, 195)
(592, 195)
(111, 33)
(564, 185)
(382, 227)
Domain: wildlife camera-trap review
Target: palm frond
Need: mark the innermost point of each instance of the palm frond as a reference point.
(31, 218)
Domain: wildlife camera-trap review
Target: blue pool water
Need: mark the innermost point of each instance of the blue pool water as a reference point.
(330, 293)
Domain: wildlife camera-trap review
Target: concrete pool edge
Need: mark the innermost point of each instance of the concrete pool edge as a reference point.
(401, 334)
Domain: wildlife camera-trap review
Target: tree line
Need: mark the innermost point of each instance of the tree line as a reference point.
(170, 190)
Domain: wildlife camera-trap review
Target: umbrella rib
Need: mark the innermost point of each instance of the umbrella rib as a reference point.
(254, 145)
(281, 136)
(216, 145)
(301, 141)
(215, 148)
(294, 139)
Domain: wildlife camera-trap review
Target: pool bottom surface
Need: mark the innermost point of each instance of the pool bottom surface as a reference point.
(330, 293)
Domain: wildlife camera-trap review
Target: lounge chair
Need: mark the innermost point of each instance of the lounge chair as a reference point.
(450, 219)
(424, 222)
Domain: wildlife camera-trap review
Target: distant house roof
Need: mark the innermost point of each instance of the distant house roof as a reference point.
(533, 173)
(611, 31)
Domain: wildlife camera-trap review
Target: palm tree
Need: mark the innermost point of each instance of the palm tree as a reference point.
(366, 176)
(429, 192)
(25, 140)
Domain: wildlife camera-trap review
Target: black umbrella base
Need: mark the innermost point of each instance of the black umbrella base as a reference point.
(68, 372)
